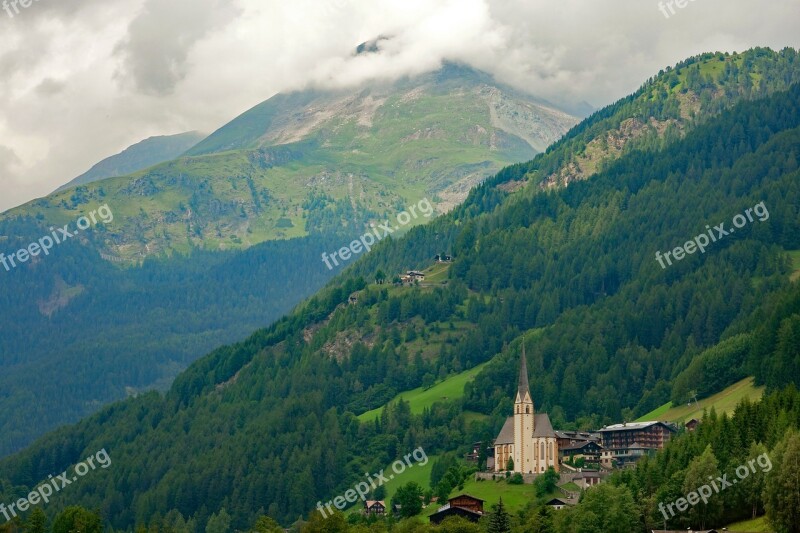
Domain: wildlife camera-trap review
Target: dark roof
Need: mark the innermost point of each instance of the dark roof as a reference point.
(580, 446)
(506, 435)
(523, 373)
(439, 516)
(542, 426)
(465, 496)
(556, 501)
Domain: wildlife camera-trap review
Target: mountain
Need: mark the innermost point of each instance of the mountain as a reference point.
(130, 303)
(269, 425)
(314, 160)
(140, 156)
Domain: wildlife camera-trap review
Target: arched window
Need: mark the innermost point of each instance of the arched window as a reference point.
(528, 409)
(543, 451)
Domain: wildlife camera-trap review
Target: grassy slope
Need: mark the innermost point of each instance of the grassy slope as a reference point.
(515, 497)
(758, 525)
(723, 402)
(420, 398)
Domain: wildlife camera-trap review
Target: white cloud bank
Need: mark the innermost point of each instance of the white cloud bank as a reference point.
(81, 80)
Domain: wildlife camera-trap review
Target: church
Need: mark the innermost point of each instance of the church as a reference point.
(527, 438)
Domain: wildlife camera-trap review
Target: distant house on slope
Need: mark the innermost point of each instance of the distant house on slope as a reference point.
(463, 505)
(374, 507)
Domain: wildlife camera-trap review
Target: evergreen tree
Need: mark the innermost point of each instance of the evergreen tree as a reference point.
(37, 522)
(499, 520)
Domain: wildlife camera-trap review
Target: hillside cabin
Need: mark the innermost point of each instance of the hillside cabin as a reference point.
(374, 507)
(464, 505)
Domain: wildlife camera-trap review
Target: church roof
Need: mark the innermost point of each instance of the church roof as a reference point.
(523, 374)
(542, 426)
(506, 435)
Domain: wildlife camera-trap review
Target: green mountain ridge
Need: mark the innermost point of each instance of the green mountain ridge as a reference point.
(142, 155)
(269, 425)
(302, 162)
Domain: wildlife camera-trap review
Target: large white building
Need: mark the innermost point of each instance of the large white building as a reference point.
(527, 439)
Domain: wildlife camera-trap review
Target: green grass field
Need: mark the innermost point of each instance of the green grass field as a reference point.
(723, 402)
(420, 398)
(515, 497)
(757, 525)
(417, 473)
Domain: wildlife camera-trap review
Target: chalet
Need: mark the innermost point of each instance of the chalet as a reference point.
(411, 276)
(692, 424)
(374, 507)
(475, 454)
(444, 258)
(587, 450)
(630, 441)
(557, 504)
(464, 505)
(566, 439)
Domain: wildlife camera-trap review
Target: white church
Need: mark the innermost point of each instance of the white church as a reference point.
(527, 439)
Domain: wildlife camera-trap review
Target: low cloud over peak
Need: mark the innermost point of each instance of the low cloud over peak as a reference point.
(80, 80)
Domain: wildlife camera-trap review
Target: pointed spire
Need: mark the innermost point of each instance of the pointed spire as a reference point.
(524, 388)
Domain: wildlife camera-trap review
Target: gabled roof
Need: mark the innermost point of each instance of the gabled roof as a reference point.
(371, 503)
(465, 496)
(580, 445)
(506, 435)
(542, 426)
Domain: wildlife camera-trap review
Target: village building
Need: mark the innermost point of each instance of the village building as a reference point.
(463, 505)
(557, 504)
(629, 442)
(527, 443)
(374, 507)
(587, 450)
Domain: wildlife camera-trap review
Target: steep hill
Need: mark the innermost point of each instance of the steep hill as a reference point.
(140, 156)
(269, 425)
(301, 174)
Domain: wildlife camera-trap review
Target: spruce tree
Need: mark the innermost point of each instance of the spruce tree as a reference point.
(499, 519)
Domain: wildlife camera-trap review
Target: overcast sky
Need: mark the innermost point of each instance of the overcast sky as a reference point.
(83, 79)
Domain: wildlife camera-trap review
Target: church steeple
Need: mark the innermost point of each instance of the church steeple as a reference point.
(523, 388)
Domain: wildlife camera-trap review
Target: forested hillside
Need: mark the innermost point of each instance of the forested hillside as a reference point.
(123, 327)
(268, 426)
(79, 332)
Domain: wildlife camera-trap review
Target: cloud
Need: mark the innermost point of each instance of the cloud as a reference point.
(155, 52)
(8, 161)
(80, 79)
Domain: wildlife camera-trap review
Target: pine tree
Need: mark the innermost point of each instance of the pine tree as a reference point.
(37, 522)
(499, 520)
